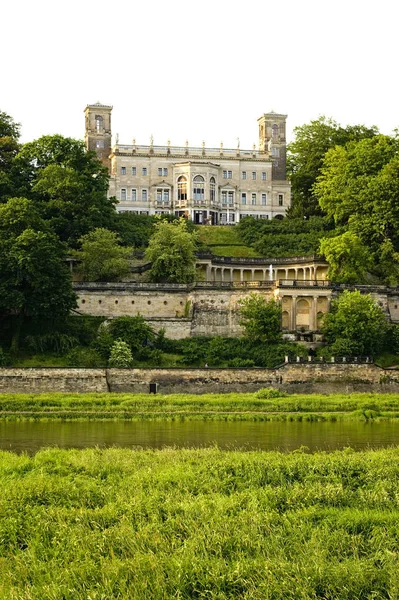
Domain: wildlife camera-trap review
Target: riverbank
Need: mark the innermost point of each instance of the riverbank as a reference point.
(199, 524)
(235, 407)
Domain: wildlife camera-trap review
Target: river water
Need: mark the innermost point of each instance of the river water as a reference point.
(285, 436)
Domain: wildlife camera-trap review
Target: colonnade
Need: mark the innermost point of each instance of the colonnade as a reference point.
(236, 273)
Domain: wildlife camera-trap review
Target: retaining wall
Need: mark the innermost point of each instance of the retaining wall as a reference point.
(293, 377)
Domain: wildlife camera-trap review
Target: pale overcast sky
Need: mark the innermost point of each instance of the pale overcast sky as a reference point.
(198, 71)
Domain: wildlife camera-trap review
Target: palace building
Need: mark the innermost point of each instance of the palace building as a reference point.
(215, 186)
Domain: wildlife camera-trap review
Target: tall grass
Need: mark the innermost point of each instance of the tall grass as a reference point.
(121, 524)
(315, 407)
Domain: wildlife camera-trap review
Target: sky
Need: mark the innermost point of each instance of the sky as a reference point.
(198, 71)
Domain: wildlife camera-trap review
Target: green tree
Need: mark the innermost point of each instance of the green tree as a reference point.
(306, 155)
(68, 184)
(348, 258)
(101, 256)
(9, 147)
(359, 188)
(356, 325)
(172, 253)
(261, 319)
(135, 331)
(34, 279)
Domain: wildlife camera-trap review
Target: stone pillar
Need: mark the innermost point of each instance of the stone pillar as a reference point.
(293, 314)
(241, 275)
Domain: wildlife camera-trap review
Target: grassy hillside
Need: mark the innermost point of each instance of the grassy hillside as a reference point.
(225, 241)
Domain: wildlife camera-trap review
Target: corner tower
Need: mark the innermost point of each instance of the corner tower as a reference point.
(272, 139)
(98, 131)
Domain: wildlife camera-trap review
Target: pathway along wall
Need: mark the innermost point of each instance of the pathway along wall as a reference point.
(295, 378)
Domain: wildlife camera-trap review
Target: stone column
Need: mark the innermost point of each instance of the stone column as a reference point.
(293, 313)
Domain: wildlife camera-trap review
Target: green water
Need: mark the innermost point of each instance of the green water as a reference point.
(286, 436)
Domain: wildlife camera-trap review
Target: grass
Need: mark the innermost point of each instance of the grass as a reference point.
(245, 407)
(225, 241)
(202, 524)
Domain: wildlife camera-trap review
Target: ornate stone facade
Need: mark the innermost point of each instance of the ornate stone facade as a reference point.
(207, 185)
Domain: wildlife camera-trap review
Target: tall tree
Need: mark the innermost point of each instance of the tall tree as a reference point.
(68, 185)
(348, 258)
(359, 188)
(172, 253)
(101, 256)
(306, 154)
(34, 279)
(9, 147)
(356, 325)
(261, 319)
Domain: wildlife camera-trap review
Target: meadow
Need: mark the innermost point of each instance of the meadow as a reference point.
(121, 524)
(266, 405)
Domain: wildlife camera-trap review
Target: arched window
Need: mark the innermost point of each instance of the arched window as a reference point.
(275, 131)
(212, 189)
(182, 188)
(99, 124)
(198, 188)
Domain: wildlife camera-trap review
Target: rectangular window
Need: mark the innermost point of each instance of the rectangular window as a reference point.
(159, 196)
(264, 175)
(224, 174)
(230, 197)
(165, 172)
(280, 199)
(123, 195)
(244, 174)
(243, 198)
(253, 175)
(224, 197)
(229, 174)
(276, 152)
(263, 199)
(253, 198)
(134, 195)
(100, 144)
(144, 195)
(134, 171)
(166, 195)
(264, 217)
(123, 170)
(144, 171)
(160, 172)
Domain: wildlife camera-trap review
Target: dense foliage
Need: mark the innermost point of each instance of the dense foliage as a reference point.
(306, 155)
(171, 251)
(101, 257)
(199, 524)
(261, 319)
(356, 325)
(35, 281)
(290, 237)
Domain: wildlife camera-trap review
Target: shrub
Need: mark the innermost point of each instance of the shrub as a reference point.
(5, 360)
(120, 356)
(84, 358)
(241, 362)
(265, 393)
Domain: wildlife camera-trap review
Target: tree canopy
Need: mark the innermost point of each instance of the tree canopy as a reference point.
(261, 319)
(306, 155)
(68, 184)
(359, 188)
(9, 147)
(35, 281)
(101, 256)
(348, 258)
(356, 325)
(171, 251)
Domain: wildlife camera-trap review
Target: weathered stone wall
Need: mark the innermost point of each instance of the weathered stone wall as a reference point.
(295, 378)
(37, 381)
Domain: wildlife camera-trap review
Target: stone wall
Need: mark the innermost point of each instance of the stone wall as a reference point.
(293, 377)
